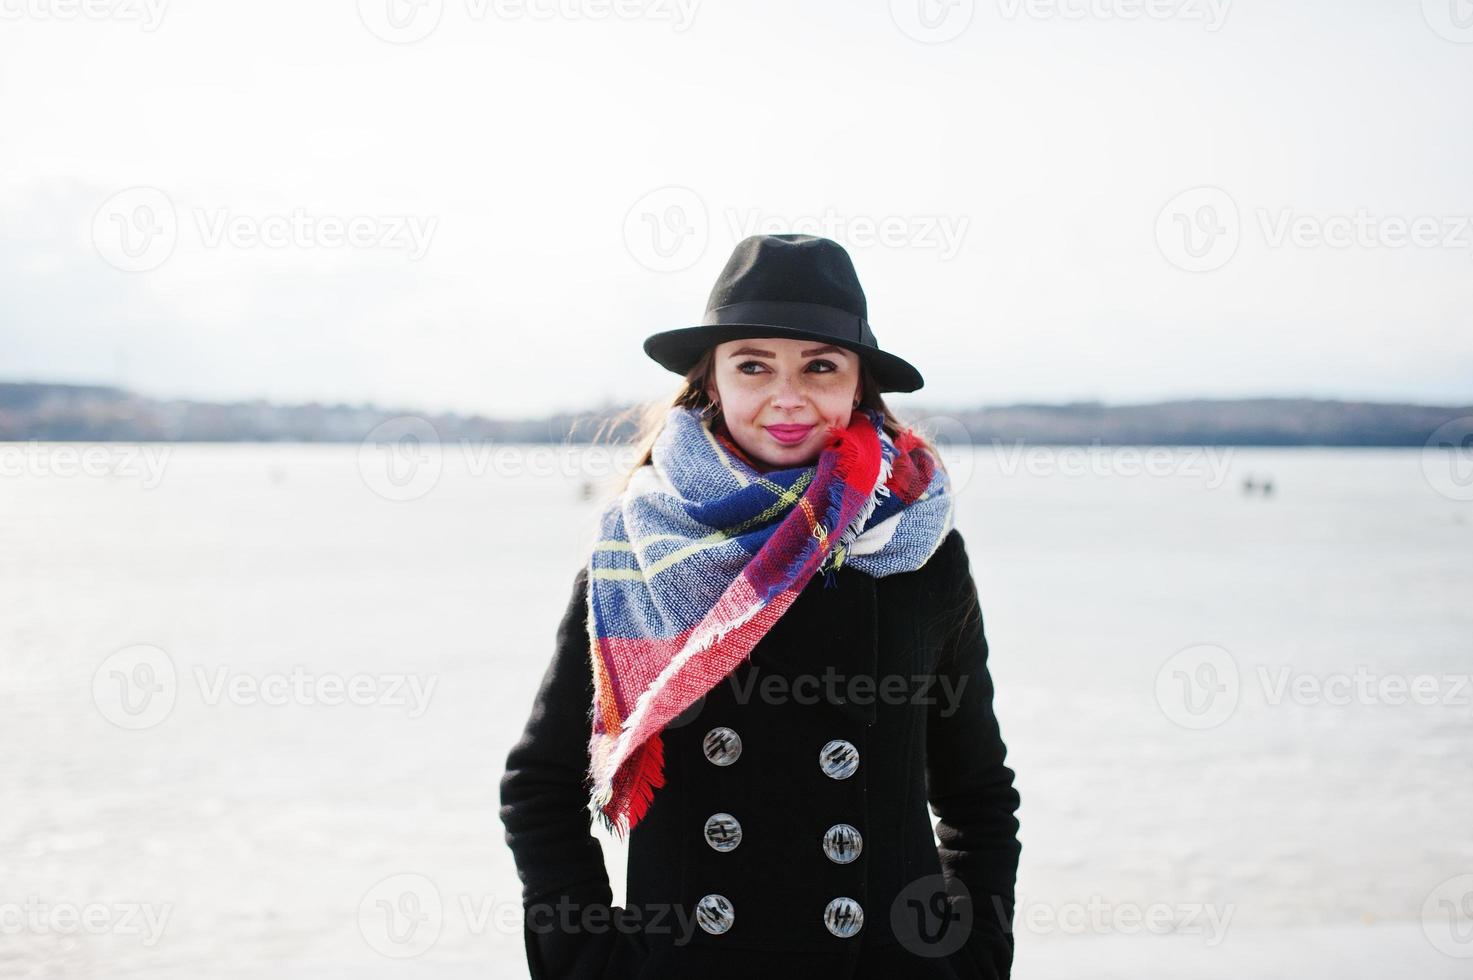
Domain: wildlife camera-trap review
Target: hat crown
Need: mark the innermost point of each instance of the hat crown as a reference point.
(790, 268)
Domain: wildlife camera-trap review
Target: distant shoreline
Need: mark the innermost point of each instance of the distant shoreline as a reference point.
(90, 413)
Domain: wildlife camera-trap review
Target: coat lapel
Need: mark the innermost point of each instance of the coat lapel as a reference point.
(830, 629)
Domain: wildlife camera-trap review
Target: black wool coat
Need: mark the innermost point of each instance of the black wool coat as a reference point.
(792, 836)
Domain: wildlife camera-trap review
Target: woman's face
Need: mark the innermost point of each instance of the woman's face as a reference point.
(777, 395)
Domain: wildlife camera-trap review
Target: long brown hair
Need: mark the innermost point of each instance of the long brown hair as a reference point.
(649, 417)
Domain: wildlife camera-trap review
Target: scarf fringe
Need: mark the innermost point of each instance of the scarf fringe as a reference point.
(856, 527)
(882, 490)
(644, 776)
(649, 774)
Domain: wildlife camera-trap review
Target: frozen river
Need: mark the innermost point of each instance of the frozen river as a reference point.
(250, 701)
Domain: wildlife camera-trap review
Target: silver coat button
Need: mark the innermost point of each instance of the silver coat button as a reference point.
(842, 843)
(838, 759)
(723, 832)
(843, 917)
(714, 914)
(722, 746)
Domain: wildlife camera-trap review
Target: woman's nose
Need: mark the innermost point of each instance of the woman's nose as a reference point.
(787, 395)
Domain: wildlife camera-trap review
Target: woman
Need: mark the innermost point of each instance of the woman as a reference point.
(772, 662)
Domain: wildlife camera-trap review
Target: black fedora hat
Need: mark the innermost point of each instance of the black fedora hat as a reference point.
(798, 286)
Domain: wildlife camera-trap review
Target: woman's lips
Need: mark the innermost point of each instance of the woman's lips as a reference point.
(789, 435)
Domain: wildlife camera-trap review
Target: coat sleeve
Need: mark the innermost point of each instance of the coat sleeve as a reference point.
(544, 810)
(968, 783)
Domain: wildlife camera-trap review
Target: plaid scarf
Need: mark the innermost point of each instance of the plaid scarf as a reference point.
(703, 553)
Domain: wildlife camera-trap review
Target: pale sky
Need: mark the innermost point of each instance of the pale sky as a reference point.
(1124, 200)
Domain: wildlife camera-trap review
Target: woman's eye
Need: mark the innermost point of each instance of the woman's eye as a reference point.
(828, 367)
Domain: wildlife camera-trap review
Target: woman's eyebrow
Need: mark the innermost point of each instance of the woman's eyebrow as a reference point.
(807, 353)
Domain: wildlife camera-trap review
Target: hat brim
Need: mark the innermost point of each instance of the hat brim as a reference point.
(678, 350)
